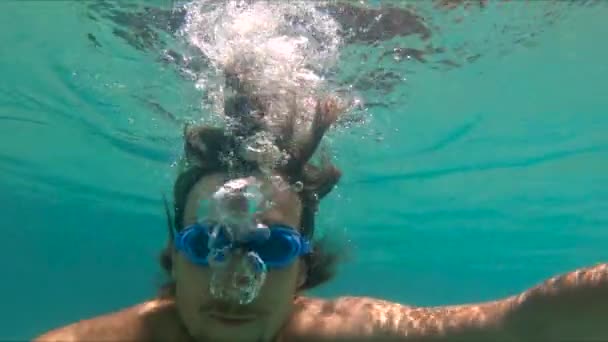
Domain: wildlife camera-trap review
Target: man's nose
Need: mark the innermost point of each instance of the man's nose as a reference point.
(237, 268)
(238, 261)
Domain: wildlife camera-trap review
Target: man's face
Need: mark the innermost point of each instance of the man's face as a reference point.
(210, 319)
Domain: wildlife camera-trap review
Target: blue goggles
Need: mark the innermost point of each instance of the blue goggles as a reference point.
(282, 247)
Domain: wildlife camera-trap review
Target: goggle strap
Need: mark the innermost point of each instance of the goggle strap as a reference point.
(170, 220)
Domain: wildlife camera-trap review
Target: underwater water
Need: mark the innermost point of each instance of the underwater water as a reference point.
(478, 168)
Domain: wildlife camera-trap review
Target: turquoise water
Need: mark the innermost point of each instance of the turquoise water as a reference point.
(465, 183)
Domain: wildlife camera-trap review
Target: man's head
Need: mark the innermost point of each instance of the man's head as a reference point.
(219, 319)
(293, 189)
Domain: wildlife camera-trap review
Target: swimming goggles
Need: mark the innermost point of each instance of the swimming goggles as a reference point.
(279, 249)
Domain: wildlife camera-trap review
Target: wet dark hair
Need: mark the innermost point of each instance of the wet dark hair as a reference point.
(213, 149)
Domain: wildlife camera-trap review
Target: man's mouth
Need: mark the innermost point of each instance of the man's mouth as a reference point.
(231, 319)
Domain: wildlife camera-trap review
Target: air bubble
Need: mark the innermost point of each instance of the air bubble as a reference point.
(298, 186)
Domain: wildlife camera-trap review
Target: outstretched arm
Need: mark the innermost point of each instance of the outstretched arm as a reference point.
(573, 306)
(369, 319)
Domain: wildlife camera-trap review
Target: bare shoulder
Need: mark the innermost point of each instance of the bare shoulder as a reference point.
(141, 322)
(364, 318)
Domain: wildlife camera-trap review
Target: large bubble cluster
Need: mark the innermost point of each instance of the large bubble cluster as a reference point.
(276, 54)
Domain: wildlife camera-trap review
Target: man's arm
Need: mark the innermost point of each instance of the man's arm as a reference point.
(573, 306)
(369, 319)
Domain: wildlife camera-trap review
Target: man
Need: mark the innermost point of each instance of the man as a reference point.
(241, 254)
